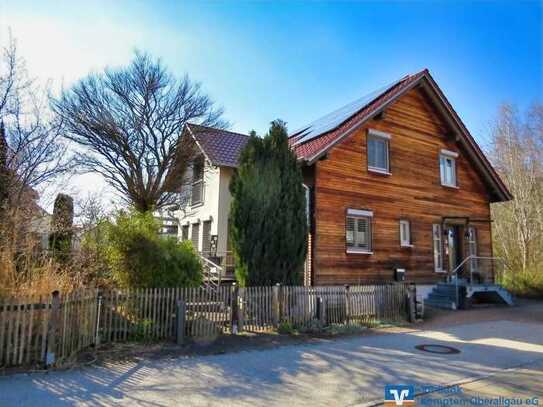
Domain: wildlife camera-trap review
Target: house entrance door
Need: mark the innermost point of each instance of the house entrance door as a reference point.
(453, 246)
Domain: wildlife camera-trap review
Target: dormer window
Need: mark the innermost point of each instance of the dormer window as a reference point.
(378, 152)
(447, 168)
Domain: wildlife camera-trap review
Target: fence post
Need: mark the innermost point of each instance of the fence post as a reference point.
(411, 303)
(321, 310)
(180, 315)
(97, 327)
(241, 308)
(347, 304)
(276, 305)
(52, 329)
(234, 323)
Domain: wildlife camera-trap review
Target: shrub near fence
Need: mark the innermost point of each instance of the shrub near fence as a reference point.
(52, 330)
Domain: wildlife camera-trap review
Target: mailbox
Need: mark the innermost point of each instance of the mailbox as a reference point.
(399, 274)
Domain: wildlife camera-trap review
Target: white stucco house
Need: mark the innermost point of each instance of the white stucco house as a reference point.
(202, 213)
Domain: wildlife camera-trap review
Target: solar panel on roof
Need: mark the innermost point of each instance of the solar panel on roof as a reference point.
(334, 119)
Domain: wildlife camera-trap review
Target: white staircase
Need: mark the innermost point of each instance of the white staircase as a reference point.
(212, 274)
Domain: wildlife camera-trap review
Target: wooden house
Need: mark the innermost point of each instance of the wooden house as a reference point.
(398, 188)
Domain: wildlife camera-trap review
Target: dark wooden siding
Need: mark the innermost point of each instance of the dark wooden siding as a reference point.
(413, 191)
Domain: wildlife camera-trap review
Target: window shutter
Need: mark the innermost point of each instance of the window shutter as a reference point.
(358, 230)
(195, 236)
(472, 247)
(185, 233)
(363, 233)
(438, 247)
(350, 228)
(206, 237)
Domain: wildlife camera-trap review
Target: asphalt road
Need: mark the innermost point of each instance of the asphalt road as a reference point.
(342, 372)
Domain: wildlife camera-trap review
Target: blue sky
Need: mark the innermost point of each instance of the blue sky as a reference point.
(297, 60)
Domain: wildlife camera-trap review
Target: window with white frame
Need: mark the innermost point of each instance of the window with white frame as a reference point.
(358, 231)
(437, 237)
(405, 233)
(378, 151)
(472, 248)
(447, 168)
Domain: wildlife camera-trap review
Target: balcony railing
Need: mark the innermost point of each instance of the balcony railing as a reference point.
(197, 192)
(224, 259)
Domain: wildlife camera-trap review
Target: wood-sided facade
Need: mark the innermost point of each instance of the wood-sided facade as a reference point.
(412, 191)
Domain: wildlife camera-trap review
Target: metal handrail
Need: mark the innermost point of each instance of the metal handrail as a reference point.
(208, 264)
(455, 271)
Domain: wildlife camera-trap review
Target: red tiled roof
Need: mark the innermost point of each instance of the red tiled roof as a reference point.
(317, 144)
(222, 147)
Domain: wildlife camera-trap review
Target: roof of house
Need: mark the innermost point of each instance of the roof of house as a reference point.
(221, 147)
(317, 136)
(313, 141)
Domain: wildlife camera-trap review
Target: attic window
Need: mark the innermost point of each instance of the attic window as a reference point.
(447, 168)
(197, 190)
(378, 151)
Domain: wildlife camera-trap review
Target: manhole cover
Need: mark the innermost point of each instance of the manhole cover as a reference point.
(442, 349)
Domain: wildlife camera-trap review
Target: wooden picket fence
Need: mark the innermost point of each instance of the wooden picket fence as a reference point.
(53, 330)
(31, 328)
(150, 314)
(264, 308)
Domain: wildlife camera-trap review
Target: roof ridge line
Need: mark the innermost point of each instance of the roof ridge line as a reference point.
(217, 129)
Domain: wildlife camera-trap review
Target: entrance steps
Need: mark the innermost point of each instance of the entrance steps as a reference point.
(444, 295)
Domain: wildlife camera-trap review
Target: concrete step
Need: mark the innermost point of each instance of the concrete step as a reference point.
(505, 295)
(491, 288)
(440, 304)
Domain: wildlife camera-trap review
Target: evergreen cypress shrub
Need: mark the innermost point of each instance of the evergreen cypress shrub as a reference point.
(60, 239)
(268, 212)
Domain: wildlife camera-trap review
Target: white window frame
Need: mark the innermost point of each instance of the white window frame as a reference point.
(359, 215)
(472, 248)
(381, 136)
(405, 241)
(437, 243)
(444, 157)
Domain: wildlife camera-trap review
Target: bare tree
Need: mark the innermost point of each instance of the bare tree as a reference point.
(128, 122)
(91, 210)
(518, 156)
(34, 152)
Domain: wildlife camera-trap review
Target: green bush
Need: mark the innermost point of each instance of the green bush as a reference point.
(286, 328)
(528, 284)
(138, 257)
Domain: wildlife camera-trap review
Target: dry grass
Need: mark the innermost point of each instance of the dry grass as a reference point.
(35, 275)
(26, 270)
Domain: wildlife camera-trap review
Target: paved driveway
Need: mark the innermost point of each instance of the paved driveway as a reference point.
(349, 371)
